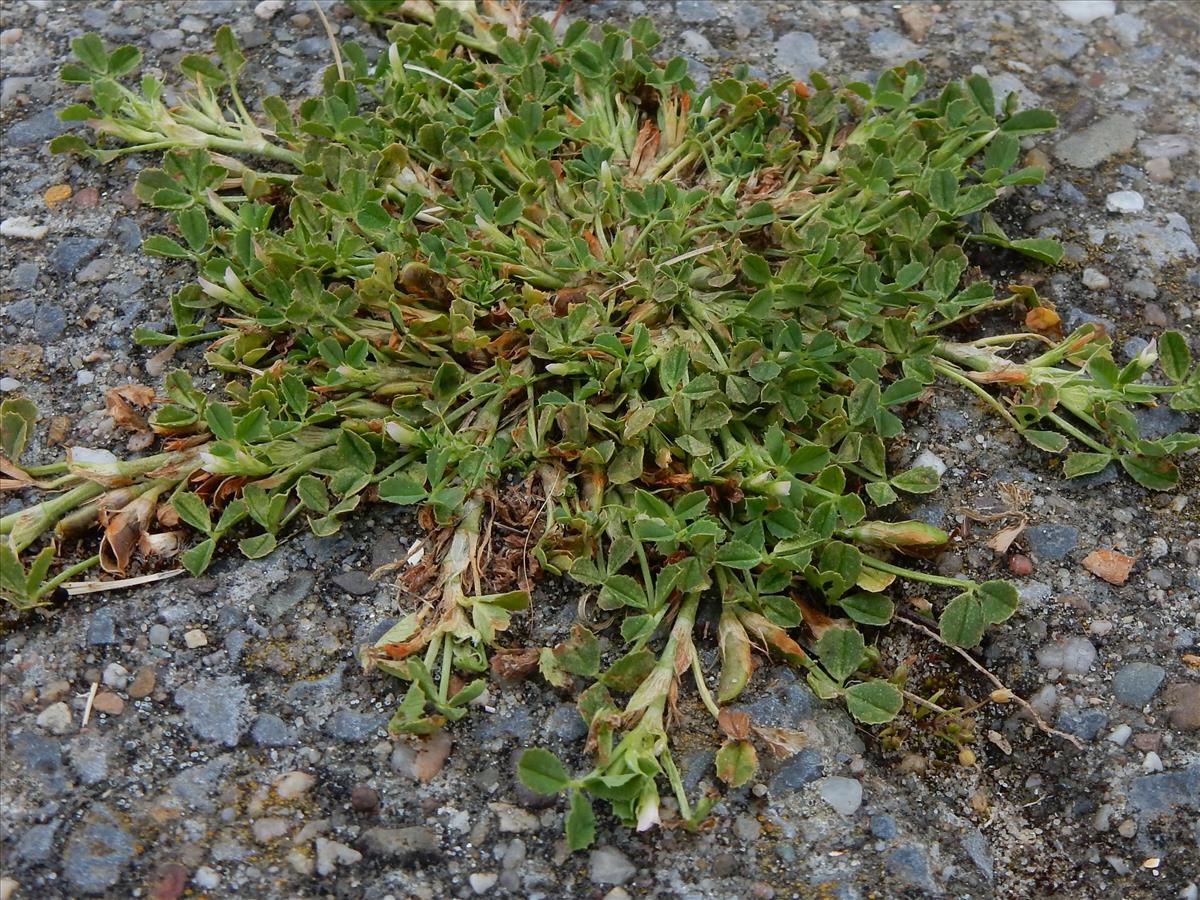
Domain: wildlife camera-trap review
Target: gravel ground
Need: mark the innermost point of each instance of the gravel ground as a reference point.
(236, 749)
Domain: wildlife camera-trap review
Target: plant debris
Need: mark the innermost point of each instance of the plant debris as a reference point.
(591, 322)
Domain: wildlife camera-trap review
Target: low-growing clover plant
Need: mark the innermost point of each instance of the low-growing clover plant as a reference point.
(505, 266)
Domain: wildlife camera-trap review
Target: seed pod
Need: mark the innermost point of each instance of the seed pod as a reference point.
(907, 535)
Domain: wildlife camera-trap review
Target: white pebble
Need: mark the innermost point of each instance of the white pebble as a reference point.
(1120, 735)
(1095, 279)
(331, 854)
(267, 8)
(116, 676)
(23, 227)
(195, 638)
(1158, 548)
(932, 460)
(55, 718)
(482, 882)
(206, 879)
(1085, 11)
(9, 384)
(1073, 655)
(84, 378)
(1152, 763)
(843, 794)
(1125, 202)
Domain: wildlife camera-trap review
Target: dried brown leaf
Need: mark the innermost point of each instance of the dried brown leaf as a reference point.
(734, 723)
(1003, 539)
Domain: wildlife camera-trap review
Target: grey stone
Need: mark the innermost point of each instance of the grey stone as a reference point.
(35, 845)
(1156, 795)
(909, 865)
(166, 39)
(37, 129)
(96, 854)
(786, 706)
(1084, 724)
(566, 724)
(356, 582)
(883, 826)
(608, 865)
(977, 848)
(1162, 241)
(230, 617)
(312, 46)
(401, 844)
(347, 725)
(516, 724)
(318, 690)
(23, 277)
(271, 731)
(796, 772)
(797, 52)
(235, 645)
(197, 786)
(1052, 540)
(159, 635)
(890, 45)
(843, 794)
(90, 763)
(101, 630)
(23, 312)
(695, 11)
(215, 709)
(1088, 148)
(1165, 146)
(71, 253)
(1136, 683)
(293, 589)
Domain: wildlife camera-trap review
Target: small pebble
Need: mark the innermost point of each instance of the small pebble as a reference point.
(1159, 170)
(1120, 735)
(1152, 763)
(116, 676)
(1095, 280)
(206, 879)
(1124, 202)
(143, 683)
(1020, 565)
(108, 703)
(55, 718)
(1127, 829)
(159, 635)
(10, 36)
(364, 799)
(269, 829)
(293, 784)
(195, 638)
(267, 8)
(482, 882)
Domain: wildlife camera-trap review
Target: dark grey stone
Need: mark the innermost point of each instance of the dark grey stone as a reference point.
(798, 771)
(1052, 540)
(356, 582)
(230, 617)
(37, 129)
(1137, 682)
(566, 724)
(312, 46)
(380, 629)
(317, 690)
(786, 706)
(517, 724)
(101, 629)
(71, 253)
(271, 731)
(35, 845)
(347, 725)
(1159, 421)
(127, 234)
(883, 826)
(215, 709)
(96, 854)
(293, 589)
(51, 321)
(908, 864)
(1157, 794)
(1084, 724)
(166, 39)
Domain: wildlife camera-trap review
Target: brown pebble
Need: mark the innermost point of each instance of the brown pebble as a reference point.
(169, 882)
(1147, 741)
(86, 198)
(1154, 315)
(1020, 565)
(143, 683)
(60, 427)
(364, 799)
(55, 691)
(109, 704)
(1184, 706)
